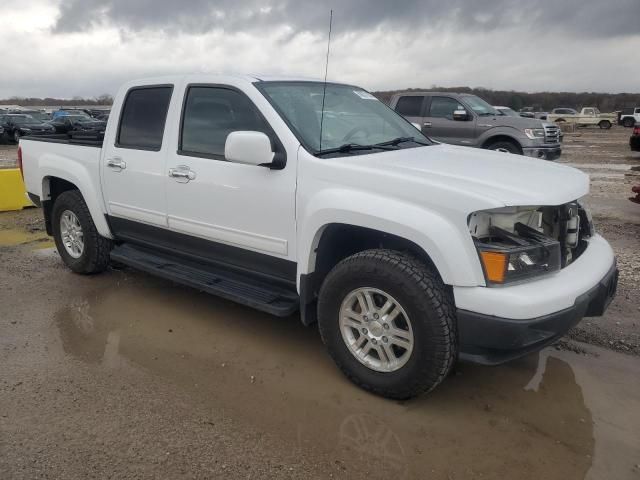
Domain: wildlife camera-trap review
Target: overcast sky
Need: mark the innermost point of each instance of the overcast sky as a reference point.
(65, 48)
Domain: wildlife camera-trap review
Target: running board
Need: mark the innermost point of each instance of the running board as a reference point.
(226, 283)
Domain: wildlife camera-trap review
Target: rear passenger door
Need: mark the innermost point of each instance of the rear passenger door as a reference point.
(440, 125)
(133, 166)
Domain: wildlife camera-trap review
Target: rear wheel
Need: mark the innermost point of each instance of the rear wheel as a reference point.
(605, 124)
(78, 242)
(628, 122)
(504, 146)
(389, 323)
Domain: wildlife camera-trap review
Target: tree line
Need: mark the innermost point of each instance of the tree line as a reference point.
(545, 101)
(104, 99)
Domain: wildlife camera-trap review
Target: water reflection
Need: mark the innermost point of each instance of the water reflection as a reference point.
(524, 420)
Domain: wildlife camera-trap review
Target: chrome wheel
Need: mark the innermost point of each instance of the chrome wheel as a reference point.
(71, 234)
(376, 329)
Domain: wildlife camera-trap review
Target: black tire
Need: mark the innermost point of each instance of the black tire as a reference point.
(428, 303)
(16, 136)
(504, 146)
(605, 124)
(95, 255)
(628, 122)
(560, 120)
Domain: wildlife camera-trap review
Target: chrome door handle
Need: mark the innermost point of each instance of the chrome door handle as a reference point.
(116, 164)
(182, 173)
(426, 124)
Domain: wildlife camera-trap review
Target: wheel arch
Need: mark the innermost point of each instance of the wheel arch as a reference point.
(55, 182)
(502, 138)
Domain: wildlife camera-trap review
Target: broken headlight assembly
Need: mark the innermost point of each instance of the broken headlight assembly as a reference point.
(513, 257)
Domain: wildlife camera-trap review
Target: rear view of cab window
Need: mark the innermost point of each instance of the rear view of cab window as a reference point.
(409, 106)
(143, 118)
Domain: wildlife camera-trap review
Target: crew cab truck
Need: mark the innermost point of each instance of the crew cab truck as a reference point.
(467, 120)
(588, 117)
(289, 195)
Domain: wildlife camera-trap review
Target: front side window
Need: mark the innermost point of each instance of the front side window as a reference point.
(143, 118)
(211, 114)
(443, 107)
(351, 116)
(410, 106)
(479, 106)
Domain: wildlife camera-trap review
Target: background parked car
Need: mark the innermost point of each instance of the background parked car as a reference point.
(76, 126)
(629, 117)
(634, 140)
(506, 111)
(564, 111)
(17, 125)
(37, 114)
(533, 112)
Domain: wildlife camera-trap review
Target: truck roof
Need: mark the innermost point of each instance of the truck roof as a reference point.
(221, 78)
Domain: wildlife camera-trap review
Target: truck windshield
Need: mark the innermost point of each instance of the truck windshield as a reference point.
(354, 121)
(479, 106)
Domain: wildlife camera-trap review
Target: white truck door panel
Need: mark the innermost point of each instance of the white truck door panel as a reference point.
(133, 165)
(241, 205)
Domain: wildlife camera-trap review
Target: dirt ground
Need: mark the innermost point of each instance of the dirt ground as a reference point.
(122, 375)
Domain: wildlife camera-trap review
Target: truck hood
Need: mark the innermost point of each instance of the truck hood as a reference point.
(495, 178)
(515, 122)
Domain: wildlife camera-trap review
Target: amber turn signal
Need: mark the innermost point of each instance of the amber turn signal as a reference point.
(495, 265)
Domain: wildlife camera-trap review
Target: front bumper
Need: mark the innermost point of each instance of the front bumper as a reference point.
(544, 153)
(491, 340)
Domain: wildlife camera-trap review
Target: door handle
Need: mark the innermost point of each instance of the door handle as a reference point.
(116, 164)
(182, 174)
(426, 124)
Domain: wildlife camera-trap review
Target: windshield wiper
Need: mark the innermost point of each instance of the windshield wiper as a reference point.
(352, 147)
(399, 140)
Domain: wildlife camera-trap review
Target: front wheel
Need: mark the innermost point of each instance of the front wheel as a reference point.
(628, 122)
(78, 242)
(605, 124)
(504, 146)
(389, 323)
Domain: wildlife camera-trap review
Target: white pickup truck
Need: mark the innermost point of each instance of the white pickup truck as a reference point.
(588, 117)
(290, 195)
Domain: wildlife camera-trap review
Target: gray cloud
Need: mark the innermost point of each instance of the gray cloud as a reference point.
(579, 18)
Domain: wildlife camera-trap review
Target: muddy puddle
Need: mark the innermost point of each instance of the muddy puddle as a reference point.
(528, 419)
(11, 237)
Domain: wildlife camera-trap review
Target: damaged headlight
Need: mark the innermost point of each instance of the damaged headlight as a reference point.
(511, 257)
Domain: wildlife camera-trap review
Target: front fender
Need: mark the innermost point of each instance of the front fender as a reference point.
(448, 244)
(84, 176)
(513, 133)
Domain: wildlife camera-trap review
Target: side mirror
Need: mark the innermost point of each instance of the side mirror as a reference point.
(460, 115)
(251, 148)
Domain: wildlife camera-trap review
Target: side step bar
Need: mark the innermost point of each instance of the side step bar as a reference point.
(226, 283)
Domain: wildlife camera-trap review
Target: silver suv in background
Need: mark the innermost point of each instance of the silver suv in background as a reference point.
(467, 120)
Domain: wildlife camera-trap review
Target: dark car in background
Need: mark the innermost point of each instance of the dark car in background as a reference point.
(634, 140)
(79, 126)
(18, 125)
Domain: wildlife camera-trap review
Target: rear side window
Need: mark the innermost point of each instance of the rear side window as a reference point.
(143, 118)
(410, 106)
(210, 115)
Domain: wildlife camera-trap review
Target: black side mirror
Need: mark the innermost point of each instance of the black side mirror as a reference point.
(460, 115)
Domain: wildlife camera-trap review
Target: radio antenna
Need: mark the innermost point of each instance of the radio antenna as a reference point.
(326, 69)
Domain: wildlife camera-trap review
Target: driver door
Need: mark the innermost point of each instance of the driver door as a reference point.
(229, 204)
(440, 125)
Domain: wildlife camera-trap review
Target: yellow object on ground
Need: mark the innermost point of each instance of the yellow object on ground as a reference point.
(12, 192)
